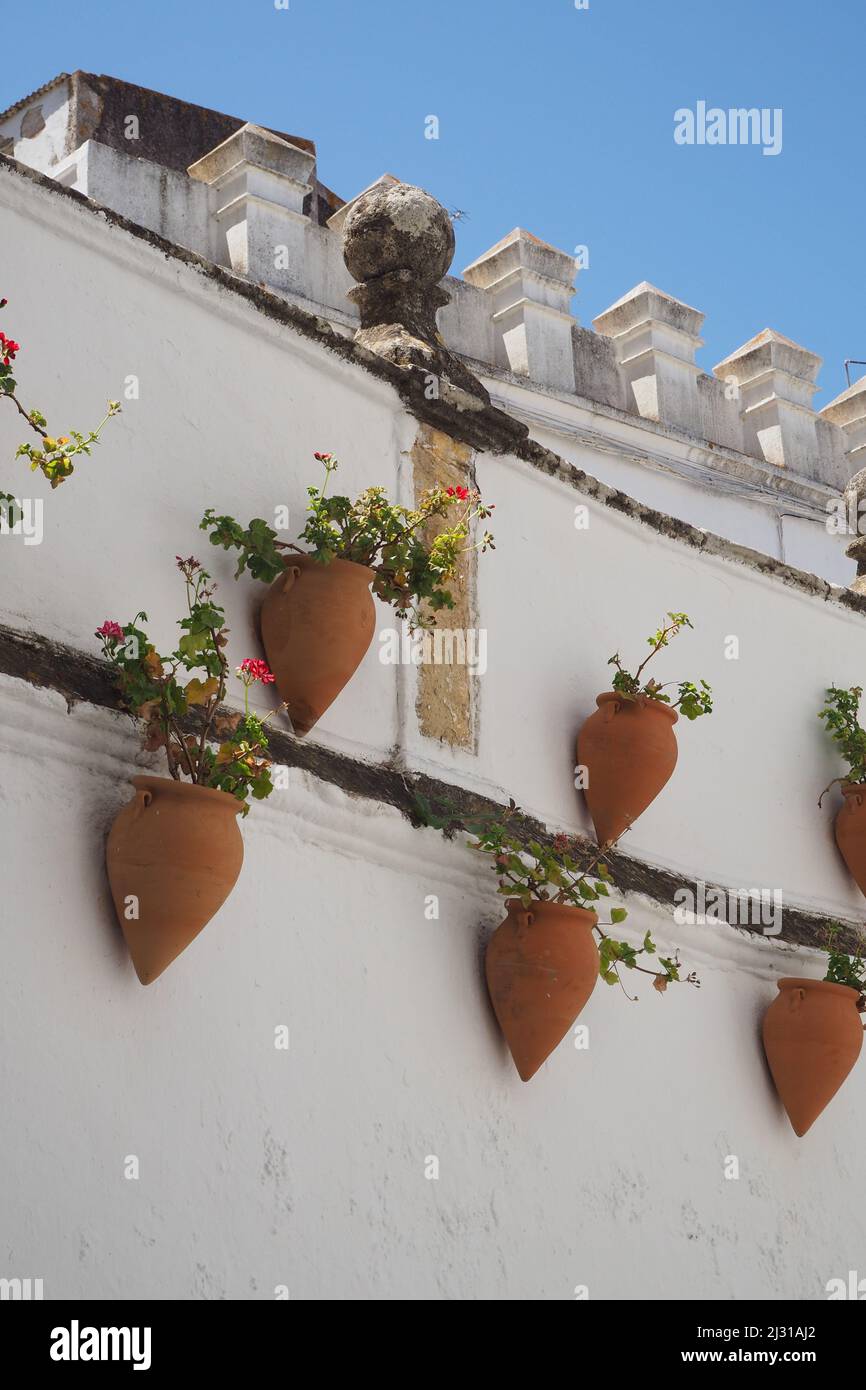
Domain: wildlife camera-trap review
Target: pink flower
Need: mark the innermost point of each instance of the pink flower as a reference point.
(252, 670)
(110, 630)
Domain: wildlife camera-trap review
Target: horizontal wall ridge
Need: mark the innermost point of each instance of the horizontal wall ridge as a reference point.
(79, 677)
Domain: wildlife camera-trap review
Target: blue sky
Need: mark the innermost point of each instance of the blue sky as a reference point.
(552, 118)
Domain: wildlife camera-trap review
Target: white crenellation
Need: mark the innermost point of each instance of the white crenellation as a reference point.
(656, 338)
(528, 286)
(848, 412)
(247, 205)
(774, 380)
(259, 183)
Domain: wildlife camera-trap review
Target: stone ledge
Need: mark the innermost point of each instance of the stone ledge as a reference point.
(80, 677)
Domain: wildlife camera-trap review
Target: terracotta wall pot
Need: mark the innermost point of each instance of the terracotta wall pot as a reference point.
(812, 1038)
(317, 622)
(851, 831)
(629, 749)
(541, 966)
(178, 850)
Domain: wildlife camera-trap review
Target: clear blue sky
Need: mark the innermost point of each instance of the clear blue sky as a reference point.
(551, 118)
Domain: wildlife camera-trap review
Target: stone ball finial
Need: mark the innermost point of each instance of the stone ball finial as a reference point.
(398, 227)
(855, 488)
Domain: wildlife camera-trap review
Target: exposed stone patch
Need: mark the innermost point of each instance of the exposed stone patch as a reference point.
(32, 122)
(445, 703)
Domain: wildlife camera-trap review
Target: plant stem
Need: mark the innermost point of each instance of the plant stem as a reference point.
(662, 642)
(12, 397)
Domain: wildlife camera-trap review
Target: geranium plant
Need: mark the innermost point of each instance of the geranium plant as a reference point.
(692, 699)
(409, 566)
(841, 715)
(54, 455)
(227, 751)
(552, 871)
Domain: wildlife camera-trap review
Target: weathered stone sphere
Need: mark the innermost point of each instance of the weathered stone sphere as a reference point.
(398, 227)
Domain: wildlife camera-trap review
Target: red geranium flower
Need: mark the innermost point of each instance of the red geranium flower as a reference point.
(252, 669)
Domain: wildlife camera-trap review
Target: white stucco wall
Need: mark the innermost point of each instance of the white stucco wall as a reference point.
(306, 1168)
(769, 509)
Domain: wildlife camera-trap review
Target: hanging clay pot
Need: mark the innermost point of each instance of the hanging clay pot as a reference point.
(541, 966)
(812, 1037)
(173, 856)
(317, 622)
(629, 749)
(851, 831)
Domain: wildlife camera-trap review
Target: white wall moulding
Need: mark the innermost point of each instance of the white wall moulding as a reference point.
(84, 681)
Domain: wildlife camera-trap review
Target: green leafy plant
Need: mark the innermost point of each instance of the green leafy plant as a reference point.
(164, 690)
(410, 565)
(692, 700)
(844, 969)
(553, 870)
(54, 455)
(841, 719)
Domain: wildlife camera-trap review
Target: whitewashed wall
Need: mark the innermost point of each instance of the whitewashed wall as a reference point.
(261, 1168)
(752, 503)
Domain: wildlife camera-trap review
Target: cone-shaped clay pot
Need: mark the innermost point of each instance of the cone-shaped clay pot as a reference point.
(812, 1038)
(541, 966)
(851, 831)
(317, 622)
(629, 750)
(173, 856)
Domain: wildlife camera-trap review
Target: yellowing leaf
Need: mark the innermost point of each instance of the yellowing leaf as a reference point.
(225, 754)
(199, 692)
(152, 663)
(193, 643)
(227, 723)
